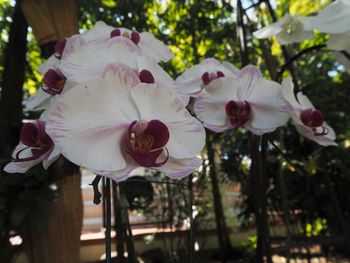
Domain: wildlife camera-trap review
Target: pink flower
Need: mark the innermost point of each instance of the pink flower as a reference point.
(120, 123)
(196, 78)
(308, 120)
(247, 100)
(35, 146)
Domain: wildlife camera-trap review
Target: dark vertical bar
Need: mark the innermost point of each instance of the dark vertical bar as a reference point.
(107, 207)
(191, 235)
(123, 202)
(264, 183)
(258, 195)
(118, 223)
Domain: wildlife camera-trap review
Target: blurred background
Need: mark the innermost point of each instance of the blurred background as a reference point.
(49, 216)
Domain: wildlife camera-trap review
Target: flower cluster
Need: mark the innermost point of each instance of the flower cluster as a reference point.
(334, 19)
(226, 97)
(108, 106)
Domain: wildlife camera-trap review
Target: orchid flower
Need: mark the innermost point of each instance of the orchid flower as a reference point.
(120, 123)
(101, 33)
(35, 146)
(196, 78)
(335, 20)
(247, 100)
(289, 29)
(88, 64)
(54, 83)
(308, 121)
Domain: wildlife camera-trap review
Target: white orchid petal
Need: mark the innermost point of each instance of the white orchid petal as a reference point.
(179, 168)
(89, 63)
(288, 93)
(51, 63)
(298, 36)
(270, 30)
(304, 102)
(308, 22)
(53, 156)
(187, 135)
(268, 107)
(247, 79)
(90, 132)
(339, 41)
(154, 48)
(334, 18)
(211, 113)
(119, 175)
(154, 102)
(267, 117)
(23, 166)
(191, 79)
(231, 67)
(38, 101)
(325, 140)
(117, 72)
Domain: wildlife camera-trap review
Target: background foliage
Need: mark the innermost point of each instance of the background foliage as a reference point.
(194, 30)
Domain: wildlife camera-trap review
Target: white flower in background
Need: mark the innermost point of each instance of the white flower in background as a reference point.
(196, 78)
(335, 20)
(35, 146)
(289, 29)
(308, 120)
(247, 100)
(117, 123)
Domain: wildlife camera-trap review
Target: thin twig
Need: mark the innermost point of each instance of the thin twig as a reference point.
(285, 156)
(297, 56)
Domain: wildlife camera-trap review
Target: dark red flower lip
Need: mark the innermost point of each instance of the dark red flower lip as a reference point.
(146, 142)
(238, 112)
(54, 82)
(314, 119)
(34, 137)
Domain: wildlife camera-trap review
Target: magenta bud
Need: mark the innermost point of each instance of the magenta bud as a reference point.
(220, 74)
(59, 47)
(146, 76)
(135, 37)
(116, 33)
(205, 78)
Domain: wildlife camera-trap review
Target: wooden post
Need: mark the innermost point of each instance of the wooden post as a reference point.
(52, 20)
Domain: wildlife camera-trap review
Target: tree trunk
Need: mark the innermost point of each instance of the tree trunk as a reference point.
(52, 20)
(11, 112)
(61, 241)
(221, 228)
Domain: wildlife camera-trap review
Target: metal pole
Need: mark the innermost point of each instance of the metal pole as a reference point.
(191, 237)
(107, 214)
